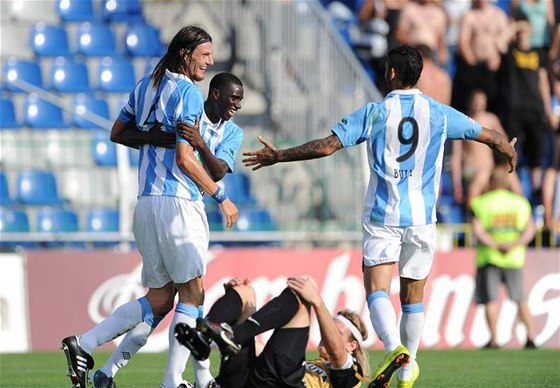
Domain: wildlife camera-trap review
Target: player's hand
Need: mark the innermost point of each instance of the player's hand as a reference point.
(267, 156)
(306, 288)
(191, 133)
(161, 138)
(512, 155)
(235, 282)
(230, 212)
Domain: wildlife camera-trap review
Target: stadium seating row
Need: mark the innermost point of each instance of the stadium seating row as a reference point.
(95, 39)
(64, 220)
(113, 75)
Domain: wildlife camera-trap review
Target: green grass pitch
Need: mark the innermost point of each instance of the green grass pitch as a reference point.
(438, 368)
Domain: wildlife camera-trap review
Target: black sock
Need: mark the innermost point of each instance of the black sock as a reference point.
(272, 315)
(226, 309)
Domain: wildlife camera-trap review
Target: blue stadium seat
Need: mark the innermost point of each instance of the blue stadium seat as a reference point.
(95, 40)
(215, 220)
(75, 10)
(53, 220)
(151, 65)
(13, 220)
(36, 188)
(122, 10)
(8, 115)
(142, 40)
(102, 220)
(254, 219)
(238, 188)
(41, 114)
(27, 71)
(115, 76)
(47, 40)
(68, 76)
(56, 220)
(104, 151)
(5, 197)
(449, 212)
(84, 103)
(446, 184)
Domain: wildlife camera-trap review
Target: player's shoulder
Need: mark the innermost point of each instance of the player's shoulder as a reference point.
(230, 126)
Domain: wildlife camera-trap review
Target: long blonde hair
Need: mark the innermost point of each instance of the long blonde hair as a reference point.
(359, 353)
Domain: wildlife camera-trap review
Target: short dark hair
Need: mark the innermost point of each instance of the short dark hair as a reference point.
(188, 38)
(407, 62)
(221, 80)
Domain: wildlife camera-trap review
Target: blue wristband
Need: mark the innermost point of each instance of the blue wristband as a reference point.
(219, 195)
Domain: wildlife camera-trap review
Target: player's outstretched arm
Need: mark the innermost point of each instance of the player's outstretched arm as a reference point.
(499, 143)
(313, 149)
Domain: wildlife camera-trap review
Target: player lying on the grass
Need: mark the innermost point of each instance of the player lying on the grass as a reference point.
(217, 141)
(342, 362)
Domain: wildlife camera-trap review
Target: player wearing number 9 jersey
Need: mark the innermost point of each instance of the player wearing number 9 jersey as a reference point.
(405, 134)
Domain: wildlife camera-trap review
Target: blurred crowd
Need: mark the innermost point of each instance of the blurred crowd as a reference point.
(497, 61)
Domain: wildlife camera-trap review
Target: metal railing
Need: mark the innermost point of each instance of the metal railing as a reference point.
(292, 53)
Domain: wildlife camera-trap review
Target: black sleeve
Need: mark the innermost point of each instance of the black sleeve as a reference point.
(347, 378)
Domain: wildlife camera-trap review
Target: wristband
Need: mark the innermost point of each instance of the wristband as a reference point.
(219, 195)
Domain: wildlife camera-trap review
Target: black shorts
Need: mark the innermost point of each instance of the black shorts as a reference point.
(280, 365)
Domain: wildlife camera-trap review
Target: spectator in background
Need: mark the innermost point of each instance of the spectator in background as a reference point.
(424, 22)
(389, 10)
(472, 162)
(526, 91)
(503, 226)
(455, 11)
(551, 183)
(483, 38)
(434, 81)
(540, 14)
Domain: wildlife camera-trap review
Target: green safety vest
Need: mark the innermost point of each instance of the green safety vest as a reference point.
(504, 215)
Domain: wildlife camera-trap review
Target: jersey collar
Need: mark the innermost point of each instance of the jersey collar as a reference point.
(405, 92)
(175, 76)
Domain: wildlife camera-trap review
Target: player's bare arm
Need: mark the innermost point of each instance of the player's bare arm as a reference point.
(215, 167)
(499, 143)
(128, 135)
(187, 161)
(313, 149)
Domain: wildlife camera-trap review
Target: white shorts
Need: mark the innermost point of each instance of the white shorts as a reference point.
(172, 236)
(412, 246)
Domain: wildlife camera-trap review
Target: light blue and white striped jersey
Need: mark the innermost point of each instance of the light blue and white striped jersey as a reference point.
(405, 136)
(176, 99)
(222, 138)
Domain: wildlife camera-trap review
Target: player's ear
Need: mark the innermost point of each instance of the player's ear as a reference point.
(392, 73)
(215, 93)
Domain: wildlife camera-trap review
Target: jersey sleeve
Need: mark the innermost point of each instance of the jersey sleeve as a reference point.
(191, 106)
(227, 150)
(460, 126)
(128, 111)
(356, 127)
